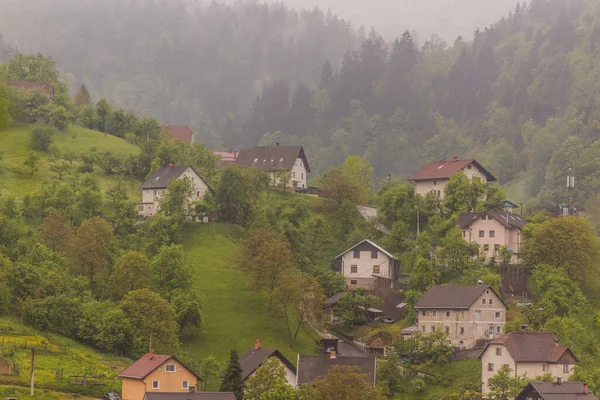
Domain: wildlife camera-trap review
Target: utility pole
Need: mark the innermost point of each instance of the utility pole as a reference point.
(32, 369)
(418, 221)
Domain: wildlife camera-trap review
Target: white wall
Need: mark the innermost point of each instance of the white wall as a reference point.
(423, 187)
(364, 268)
(299, 173)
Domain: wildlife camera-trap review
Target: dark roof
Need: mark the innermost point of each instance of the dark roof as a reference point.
(161, 178)
(507, 219)
(335, 298)
(445, 169)
(253, 358)
(453, 296)
(272, 158)
(532, 346)
(47, 88)
(313, 367)
(508, 203)
(148, 363)
(190, 396)
(183, 133)
(558, 391)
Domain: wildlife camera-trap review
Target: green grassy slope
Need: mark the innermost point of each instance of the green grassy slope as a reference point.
(234, 315)
(14, 143)
(53, 353)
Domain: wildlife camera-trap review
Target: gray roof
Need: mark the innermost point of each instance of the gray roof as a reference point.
(272, 158)
(558, 391)
(384, 251)
(507, 219)
(253, 358)
(532, 347)
(190, 396)
(313, 367)
(453, 296)
(161, 178)
(335, 298)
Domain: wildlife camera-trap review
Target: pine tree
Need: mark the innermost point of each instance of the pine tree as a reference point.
(326, 75)
(232, 380)
(83, 98)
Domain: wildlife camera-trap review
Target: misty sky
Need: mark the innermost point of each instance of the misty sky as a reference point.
(448, 18)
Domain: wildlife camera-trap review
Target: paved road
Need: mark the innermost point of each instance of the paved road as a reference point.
(347, 350)
(371, 213)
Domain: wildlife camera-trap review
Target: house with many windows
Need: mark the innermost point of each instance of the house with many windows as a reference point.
(466, 313)
(527, 354)
(365, 262)
(156, 373)
(492, 231)
(556, 390)
(435, 176)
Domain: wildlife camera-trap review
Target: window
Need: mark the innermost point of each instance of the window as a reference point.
(423, 313)
(427, 314)
(354, 282)
(197, 194)
(469, 166)
(464, 233)
(376, 269)
(353, 269)
(462, 330)
(432, 328)
(490, 367)
(155, 193)
(170, 368)
(486, 247)
(302, 175)
(185, 385)
(140, 208)
(373, 254)
(478, 314)
(155, 385)
(492, 233)
(434, 183)
(462, 314)
(482, 301)
(543, 367)
(356, 253)
(447, 314)
(293, 174)
(439, 193)
(487, 292)
(499, 329)
(481, 233)
(447, 330)
(423, 328)
(434, 313)
(159, 369)
(497, 315)
(484, 217)
(490, 301)
(496, 247)
(566, 368)
(498, 351)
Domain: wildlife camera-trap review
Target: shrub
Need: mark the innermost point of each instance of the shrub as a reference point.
(41, 137)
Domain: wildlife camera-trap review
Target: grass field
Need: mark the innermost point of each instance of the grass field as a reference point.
(234, 315)
(22, 392)
(14, 143)
(57, 361)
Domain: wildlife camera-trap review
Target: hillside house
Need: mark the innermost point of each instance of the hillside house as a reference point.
(434, 176)
(466, 313)
(276, 159)
(252, 359)
(556, 390)
(45, 88)
(365, 262)
(493, 230)
(526, 353)
(155, 373)
(182, 133)
(154, 188)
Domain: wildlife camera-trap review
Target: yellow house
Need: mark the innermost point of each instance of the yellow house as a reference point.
(155, 373)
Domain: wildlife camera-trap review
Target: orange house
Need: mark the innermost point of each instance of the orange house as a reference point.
(154, 373)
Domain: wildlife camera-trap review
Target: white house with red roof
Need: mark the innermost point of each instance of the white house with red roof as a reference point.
(157, 373)
(434, 176)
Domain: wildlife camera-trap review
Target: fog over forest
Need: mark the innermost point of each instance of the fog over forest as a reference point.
(447, 18)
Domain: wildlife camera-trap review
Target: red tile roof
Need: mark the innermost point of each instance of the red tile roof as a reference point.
(444, 169)
(145, 365)
(44, 87)
(532, 346)
(227, 156)
(183, 133)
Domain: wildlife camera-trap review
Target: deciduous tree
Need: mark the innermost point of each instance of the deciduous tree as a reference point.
(344, 383)
(269, 383)
(131, 272)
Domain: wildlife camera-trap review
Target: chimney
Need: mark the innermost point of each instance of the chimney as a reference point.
(256, 344)
(586, 389)
(455, 158)
(171, 164)
(480, 282)
(192, 389)
(523, 328)
(277, 144)
(559, 381)
(332, 355)
(556, 342)
(151, 355)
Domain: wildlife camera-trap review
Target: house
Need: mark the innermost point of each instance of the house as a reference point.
(466, 313)
(365, 262)
(276, 159)
(155, 373)
(557, 390)
(526, 353)
(154, 188)
(313, 367)
(434, 176)
(226, 157)
(492, 230)
(252, 359)
(190, 396)
(182, 133)
(45, 88)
